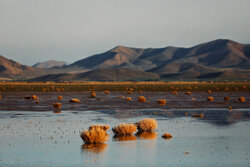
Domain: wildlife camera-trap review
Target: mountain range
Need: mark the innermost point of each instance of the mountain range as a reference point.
(220, 59)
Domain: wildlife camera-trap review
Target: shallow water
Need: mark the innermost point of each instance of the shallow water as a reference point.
(46, 139)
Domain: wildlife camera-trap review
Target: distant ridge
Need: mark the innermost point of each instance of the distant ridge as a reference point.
(49, 64)
(220, 59)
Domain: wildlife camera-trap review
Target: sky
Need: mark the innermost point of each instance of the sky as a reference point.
(33, 31)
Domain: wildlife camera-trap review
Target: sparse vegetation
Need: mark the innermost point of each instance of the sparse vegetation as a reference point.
(95, 134)
(124, 129)
(161, 101)
(167, 136)
(210, 98)
(75, 100)
(59, 97)
(106, 92)
(147, 124)
(227, 98)
(142, 99)
(57, 105)
(128, 98)
(188, 93)
(242, 99)
(201, 115)
(93, 94)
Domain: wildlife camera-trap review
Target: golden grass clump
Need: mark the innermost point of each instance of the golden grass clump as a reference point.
(174, 92)
(167, 136)
(106, 92)
(140, 91)
(209, 91)
(161, 101)
(124, 129)
(57, 105)
(95, 134)
(188, 93)
(242, 99)
(147, 124)
(142, 99)
(230, 107)
(198, 115)
(59, 97)
(227, 98)
(210, 98)
(75, 100)
(93, 94)
(34, 97)
(128, 98)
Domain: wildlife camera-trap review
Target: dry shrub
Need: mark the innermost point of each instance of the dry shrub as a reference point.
(74, 100)
(226, 89)
(209, 91)
(95, 134)
(146, 135)
(167, 136)
(131, 89)
(37, 101)
(241, 99)
(244, 87)
(93, 94)
(227, 98)
(210, 98)
(161, 101)
(174, 92)
(59, 97)
(188, 93)
(140, 91)
(147, 124)
(124, 138)
(129, 92)
(57, 105)
(217, 89)
(124, 129)
(142, 99)
(230, 108)
(198, 115)
(128, 98)
(94, 148)
(34, 97)
(106, 92)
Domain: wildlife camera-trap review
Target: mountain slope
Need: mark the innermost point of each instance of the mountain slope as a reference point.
(49, 64)
(118, 74)
(218, 53)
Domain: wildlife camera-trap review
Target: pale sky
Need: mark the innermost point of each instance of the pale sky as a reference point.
(70, 30)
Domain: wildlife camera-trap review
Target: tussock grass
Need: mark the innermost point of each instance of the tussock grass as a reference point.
(128, 98)
(201, 115)
(124, 129)
(57, 105)
(142, 99)
(174, 92)
(161, 101)
(75, 100)
(106, 92)
(59, 97)
(129, 92)
(167, 136)
(95, 134)
(93, 94)
(210, 98)
(227, 98)
(242, 99)
(188, 93)
(209, 91)
(147, 124)
(34, 97)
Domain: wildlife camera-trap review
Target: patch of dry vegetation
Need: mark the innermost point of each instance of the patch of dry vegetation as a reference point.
(188, 93)
(106, 92)
(124, 129)
(167, 136)
(95, 134)
(147, 124)
(57, 105)
(242, 99)
(210, 98)
(75, 100)
(227, 98)
(142, 99)
(93, 94)
(59, 97)
(201, 115)
(128, 98)
(161, 101)
(174, 92)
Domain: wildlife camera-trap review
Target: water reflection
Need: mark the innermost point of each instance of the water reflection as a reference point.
(124, 138)
(146, 135)
(94, 148)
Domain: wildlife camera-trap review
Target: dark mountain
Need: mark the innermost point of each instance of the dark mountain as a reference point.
(118, 74)
(49, 64)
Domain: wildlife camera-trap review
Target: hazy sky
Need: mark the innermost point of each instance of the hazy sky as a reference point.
(69, 30)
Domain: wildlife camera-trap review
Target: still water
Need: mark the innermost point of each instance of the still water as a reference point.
(30, 139)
